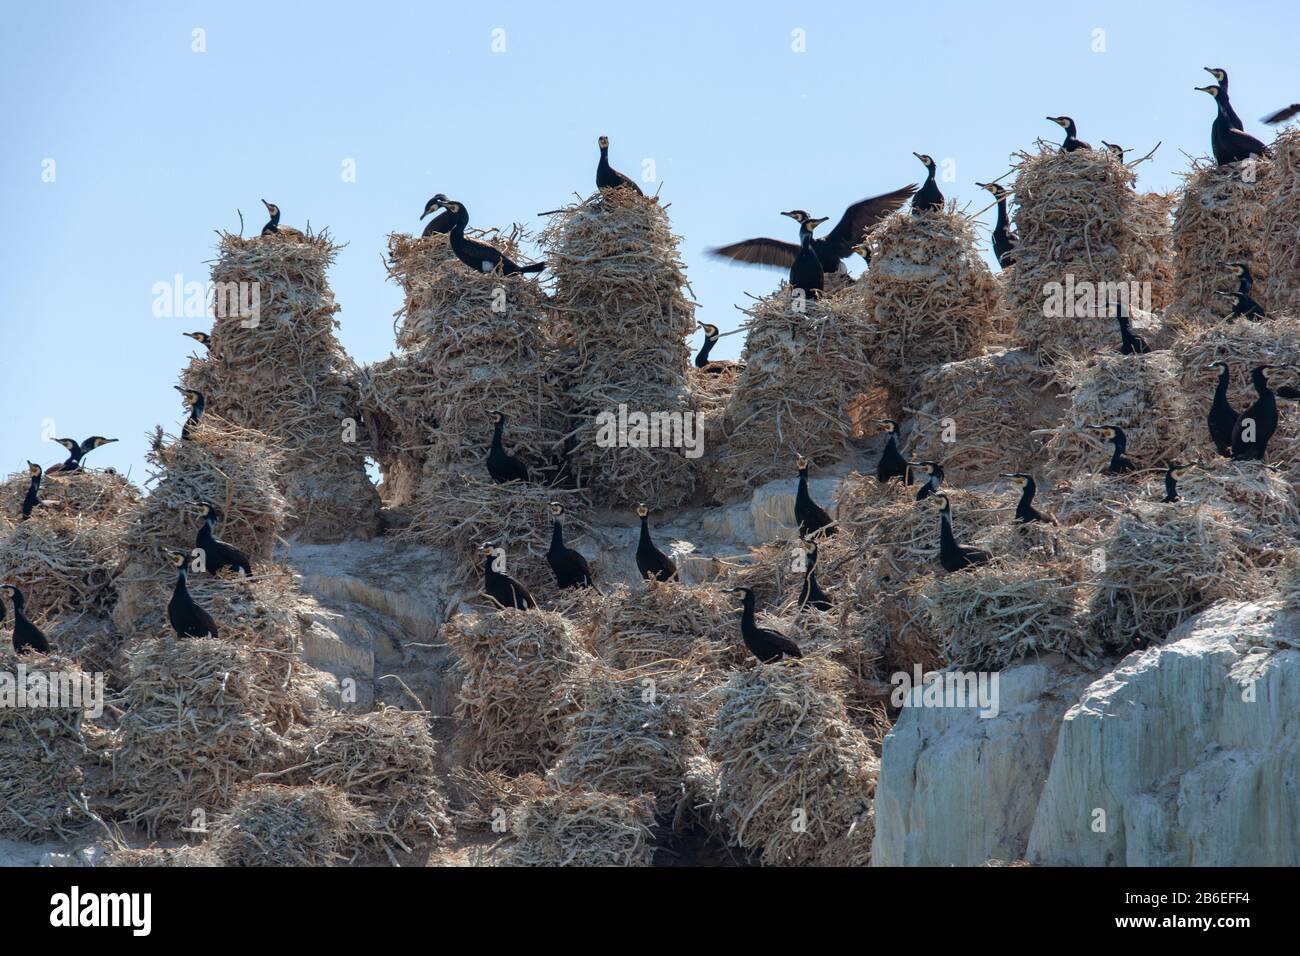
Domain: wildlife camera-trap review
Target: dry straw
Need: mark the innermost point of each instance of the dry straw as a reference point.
(1220, 220)
(272, 825)
(1151, 254)
(796, 777)
(65, 563)
(577, 828)
(95, 495)
(1281, 226)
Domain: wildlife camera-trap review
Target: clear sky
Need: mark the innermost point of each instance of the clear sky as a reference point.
(155, 145)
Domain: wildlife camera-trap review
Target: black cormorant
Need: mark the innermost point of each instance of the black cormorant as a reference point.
(607, 177)
(711, 334)
(1222, 418)
(928, 196)
(1173, 473)
(1229, 143)
(27, 636)
(502, 588)
(953, 556)
(187, 618)
(1072, 141)
(1282, 115)
(479, 256)
(1117, 151)
(1129, 344)
(650, 561)
(1256, 425)
(201, 337)
(273, 226)
(33, 497)
(217, 555)
(196, 403)
(767, 645)
(806, 273)
(571, 568)
(892, 464)
(440, 224)
(932, 473)
(501, 465)
(1119, 462)
(1025, 510)
(1221, 98)
(836, 246)
(76, 452)
(810, 592)
(1004, 237)
(1243, 305)
(809, 516)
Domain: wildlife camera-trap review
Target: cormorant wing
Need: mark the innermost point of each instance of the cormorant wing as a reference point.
(1288, 391)
(862, 215)
(1282, 115)
(760, 252)
(787, 646)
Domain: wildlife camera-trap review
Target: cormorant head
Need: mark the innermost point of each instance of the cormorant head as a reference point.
(801, 462)
(432, 206)
(201, 337)
(1062, 121)
(1220, 76)
(498, 417)
(1240, 268)
(744, 592)
(891, 426)
(271, 208)
(1019, 479)
(69, 444)
(97, 441)
(809, 225)
(641, 510)
(1212, 90)
(1108, 432)
(945, 505)
(177, 558)
(798, 215)
(34, 469)
(441, 200)
(1176, 471)
(1119, 151)
(997, 189)
(604, 142)
(926, 160)
(809, 546)
(9, 589)
(863, 249)
(208, 510)
(710, 331)
(924, 466)
(557, 509)
(1221, 366)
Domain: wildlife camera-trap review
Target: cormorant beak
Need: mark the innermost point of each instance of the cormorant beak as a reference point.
(790, 214)
(426, 212)
(814, 223)
(267, 205)
(1207, 89)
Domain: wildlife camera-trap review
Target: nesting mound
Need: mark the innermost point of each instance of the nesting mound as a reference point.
(281, 370)
(1281, 226)
(521, 670)
(796, 778)
(385, 764)
(198, 855)
(621, 297)
(1219, 220)
(64, 563)
(1259, 501)
(1139, 393)
(803, 371)
(1077, 216)
(978, 416)
(271, 825)
(583, 829)
(1161, 566)
(1151, 255)
(928, 297)
(42, 793)
(96, 495)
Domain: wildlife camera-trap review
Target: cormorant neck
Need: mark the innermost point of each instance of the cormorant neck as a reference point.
(645, 530)
(557, 534)
(496, 435)
(1026, 497)
(946, 538)
(747, 611)
(1002, 213)
(703, 356)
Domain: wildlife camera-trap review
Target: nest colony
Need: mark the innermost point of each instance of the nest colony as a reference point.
(622, 307)
(1078, 219)
(280, 369)
(1281, 227)
(582, 828)
(1220, 220)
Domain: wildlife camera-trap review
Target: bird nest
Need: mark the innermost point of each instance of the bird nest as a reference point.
(521, 670)
(157, 856)
(803, 371)
(281, 369)
(385, 763)
(928, 297)
(796, 778)
(977, 416)
(1151, 254)
(64, 563)
(1221, 219)
(42, 750)
(1260, 502)
(1160, 566)
(1078, 219)
(635, 734)
(580, 828)
(94, 495)
(1281, 225)
(993, 616)
(1140, 393)
(273, 825)
(200, 717)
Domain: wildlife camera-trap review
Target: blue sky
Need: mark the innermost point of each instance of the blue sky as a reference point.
(155, 145)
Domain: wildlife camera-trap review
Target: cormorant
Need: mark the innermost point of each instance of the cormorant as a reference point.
(1072, 141)
(1025, 510)
(1282, 115)
(217, 554)
(810, 592)
(928, 197)
(1119, 462)
(33, 497)
(711, 335)
(806, 272)
(892, 464)
(201, 337)
(809, 516)
(1222, 418)
(650, 561)
(76, 452)
(767, 645)
(607, 177)
(196, 403)
(479, 256)
(273, 226)
(440, 224)
(187, 618)
(502, 588)
(1118, 151)
(571, 568)
(1130, 344)
(933, 472)
(27, 636)
(1230, 143)
(836, 246)
(1221, 98)
(1243, 304)
(1256, 425)
(953, 556)
(1005, 238)
(1173, 473)
(502, 466)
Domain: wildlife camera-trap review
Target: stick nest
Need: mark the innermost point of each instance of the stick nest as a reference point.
(96, 495)
(65, 563)
(273, 825)
(577, 828)
(1281, 225)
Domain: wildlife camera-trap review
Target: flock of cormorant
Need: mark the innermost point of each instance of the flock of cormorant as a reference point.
(1238, 435)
